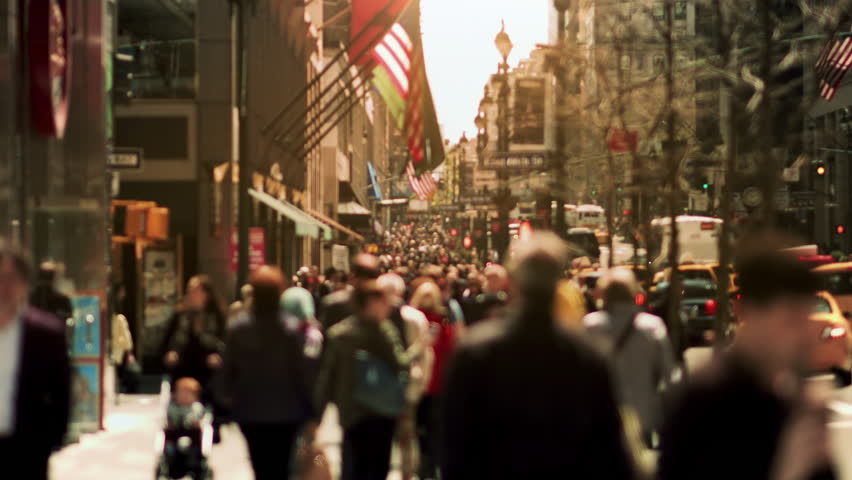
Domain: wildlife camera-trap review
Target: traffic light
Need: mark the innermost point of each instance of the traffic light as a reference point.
(705, 186)
(840, 229)
(821, 170)
(467, 242)
(454, 232)
(626, 212)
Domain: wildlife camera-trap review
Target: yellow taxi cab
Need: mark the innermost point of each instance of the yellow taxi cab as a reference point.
(831, 329)
(698, 271)
(838, 281)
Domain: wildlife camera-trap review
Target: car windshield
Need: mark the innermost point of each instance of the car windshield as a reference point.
(696, 275)
(692, 289)
(840, 283)
(822, 306)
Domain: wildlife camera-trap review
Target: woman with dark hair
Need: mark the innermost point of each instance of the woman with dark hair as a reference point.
(194, 340)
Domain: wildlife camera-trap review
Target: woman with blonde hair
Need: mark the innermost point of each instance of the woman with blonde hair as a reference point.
(428, 299)
(569, 305)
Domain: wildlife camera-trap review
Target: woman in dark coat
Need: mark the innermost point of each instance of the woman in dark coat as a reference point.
(194, 340)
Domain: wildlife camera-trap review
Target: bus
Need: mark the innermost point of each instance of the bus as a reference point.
(698, 239)
(585, 216)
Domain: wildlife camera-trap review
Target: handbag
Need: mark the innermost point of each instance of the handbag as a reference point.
(378, 387)
(312, 463)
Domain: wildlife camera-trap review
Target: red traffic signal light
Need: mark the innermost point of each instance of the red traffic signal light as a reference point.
(820, 170)
(454, 232)
(467, 242)
(626, 212)
(840, 229)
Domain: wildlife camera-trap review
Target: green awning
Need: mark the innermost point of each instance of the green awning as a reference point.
(306, 225)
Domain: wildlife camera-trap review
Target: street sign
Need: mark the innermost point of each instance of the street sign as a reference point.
(417, 205)
(803, 200)
(791, 175)
(130, 158)
(515, 161)
(448, 208)
(476, 199)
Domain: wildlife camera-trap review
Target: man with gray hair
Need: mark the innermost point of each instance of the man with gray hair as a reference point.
(637, 343)
(525, 399)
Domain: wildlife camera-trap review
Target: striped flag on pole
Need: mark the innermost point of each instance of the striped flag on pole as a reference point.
(393, 67)
(424, 186)
(832, 65)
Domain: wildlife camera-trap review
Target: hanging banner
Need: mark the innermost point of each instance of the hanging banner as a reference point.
(257, 248)
(50, 65)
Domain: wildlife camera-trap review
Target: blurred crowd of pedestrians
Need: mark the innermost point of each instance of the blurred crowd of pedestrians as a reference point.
(472, 372)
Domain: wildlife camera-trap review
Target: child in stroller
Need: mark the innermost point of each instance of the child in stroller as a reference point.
(187, 438)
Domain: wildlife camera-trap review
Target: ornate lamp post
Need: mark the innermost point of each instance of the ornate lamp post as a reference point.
(503, 200)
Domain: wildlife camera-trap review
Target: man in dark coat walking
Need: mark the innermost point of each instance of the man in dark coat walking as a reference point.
(35, 379)
(750, 414)
(523, 399)
(266, 379)
(338, 305)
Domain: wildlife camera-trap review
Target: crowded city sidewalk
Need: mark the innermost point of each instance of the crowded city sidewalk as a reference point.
(125, 448)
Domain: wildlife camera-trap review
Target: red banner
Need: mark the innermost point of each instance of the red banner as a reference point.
(257, 248)
(623, 140)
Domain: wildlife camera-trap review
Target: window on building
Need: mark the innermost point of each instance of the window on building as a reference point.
(659, 64)
(680, 11)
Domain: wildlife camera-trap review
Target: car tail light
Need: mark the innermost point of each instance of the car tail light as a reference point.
(829, 333)
(710, 307)
(641, 299)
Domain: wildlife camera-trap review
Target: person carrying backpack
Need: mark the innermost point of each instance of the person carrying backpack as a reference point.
(638, 346)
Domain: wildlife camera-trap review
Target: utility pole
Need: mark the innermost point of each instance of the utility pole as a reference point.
(559, 225)
(240, 11)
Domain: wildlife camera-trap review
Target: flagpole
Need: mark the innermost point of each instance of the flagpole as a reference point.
(297, 127)
(332, 125)
(319, 124)
(304, 151)
(373, 21)
(328, 88)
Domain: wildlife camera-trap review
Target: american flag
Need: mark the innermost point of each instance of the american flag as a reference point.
(414, 108)
(832, 65)
(424, 186)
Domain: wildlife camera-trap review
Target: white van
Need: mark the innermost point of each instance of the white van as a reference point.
(698, 239)
(585, 216)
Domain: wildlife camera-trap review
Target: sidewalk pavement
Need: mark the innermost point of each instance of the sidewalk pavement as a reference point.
(125, 449)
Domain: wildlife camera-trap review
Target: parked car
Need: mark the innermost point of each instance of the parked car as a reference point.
(838, 281)
(699, 271)
(831, 329)
(698, 308)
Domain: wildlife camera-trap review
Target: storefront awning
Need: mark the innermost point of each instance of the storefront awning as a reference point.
(352, 208)
(306, 225)
(336, 225)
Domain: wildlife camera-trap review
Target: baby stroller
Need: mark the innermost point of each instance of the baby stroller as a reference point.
(185, 442)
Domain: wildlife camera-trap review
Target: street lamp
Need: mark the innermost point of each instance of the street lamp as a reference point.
(481, 122)
(503, 200)
(504, 46)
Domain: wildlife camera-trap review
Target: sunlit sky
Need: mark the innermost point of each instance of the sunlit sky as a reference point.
(458, 42)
